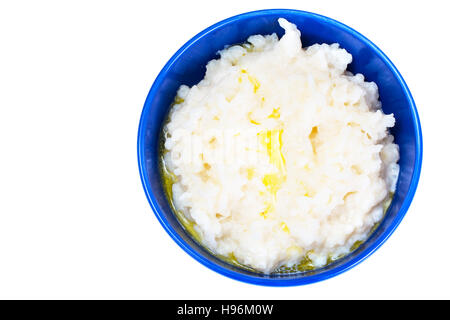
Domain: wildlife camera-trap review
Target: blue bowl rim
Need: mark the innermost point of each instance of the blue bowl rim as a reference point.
(266, 281)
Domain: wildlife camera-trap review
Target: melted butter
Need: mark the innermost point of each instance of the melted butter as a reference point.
(284, 227)
(168, 180)
(231, 259)
(249, 116)
(305, 264)
(269, 208)
(250, 173)
(275, 113)
(387, 203)
(178, 100)
(256, 84)
(272, 143)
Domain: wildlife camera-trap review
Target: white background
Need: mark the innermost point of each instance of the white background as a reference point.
(74, 220)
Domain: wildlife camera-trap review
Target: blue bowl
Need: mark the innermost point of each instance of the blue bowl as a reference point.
(187, 67)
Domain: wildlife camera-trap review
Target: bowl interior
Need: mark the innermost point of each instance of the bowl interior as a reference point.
(187, 66)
